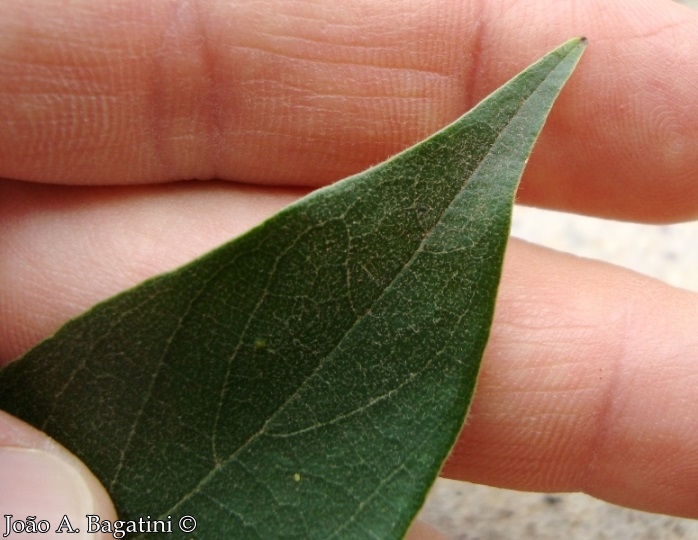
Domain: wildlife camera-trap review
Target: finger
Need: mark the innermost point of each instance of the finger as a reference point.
(42, 479)
(63, 249)
(588, 384)
(303, 94)
(423, 531)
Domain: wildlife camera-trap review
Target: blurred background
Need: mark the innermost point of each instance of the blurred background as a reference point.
(471, 512)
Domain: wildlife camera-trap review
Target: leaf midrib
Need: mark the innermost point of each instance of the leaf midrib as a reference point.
(232, 457)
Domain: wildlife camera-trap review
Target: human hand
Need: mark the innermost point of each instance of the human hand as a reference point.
(584, 382)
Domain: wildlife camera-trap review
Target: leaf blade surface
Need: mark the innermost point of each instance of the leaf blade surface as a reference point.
(307, 379)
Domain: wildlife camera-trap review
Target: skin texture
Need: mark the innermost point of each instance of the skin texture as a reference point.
(40, 475)
(114, 112)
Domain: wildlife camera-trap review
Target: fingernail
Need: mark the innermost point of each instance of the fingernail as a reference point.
(39, 492)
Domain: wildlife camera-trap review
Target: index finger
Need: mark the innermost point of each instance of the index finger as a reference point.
(298, 93)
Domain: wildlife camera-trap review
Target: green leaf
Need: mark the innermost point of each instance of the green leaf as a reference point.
(308, 379)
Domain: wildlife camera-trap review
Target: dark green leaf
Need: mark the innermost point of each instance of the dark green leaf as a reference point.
(308, 379)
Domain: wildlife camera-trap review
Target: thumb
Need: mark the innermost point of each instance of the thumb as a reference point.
(44, 487)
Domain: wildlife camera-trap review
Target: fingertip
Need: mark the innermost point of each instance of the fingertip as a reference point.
(40, 478)
(622, 141)
(586, 386)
